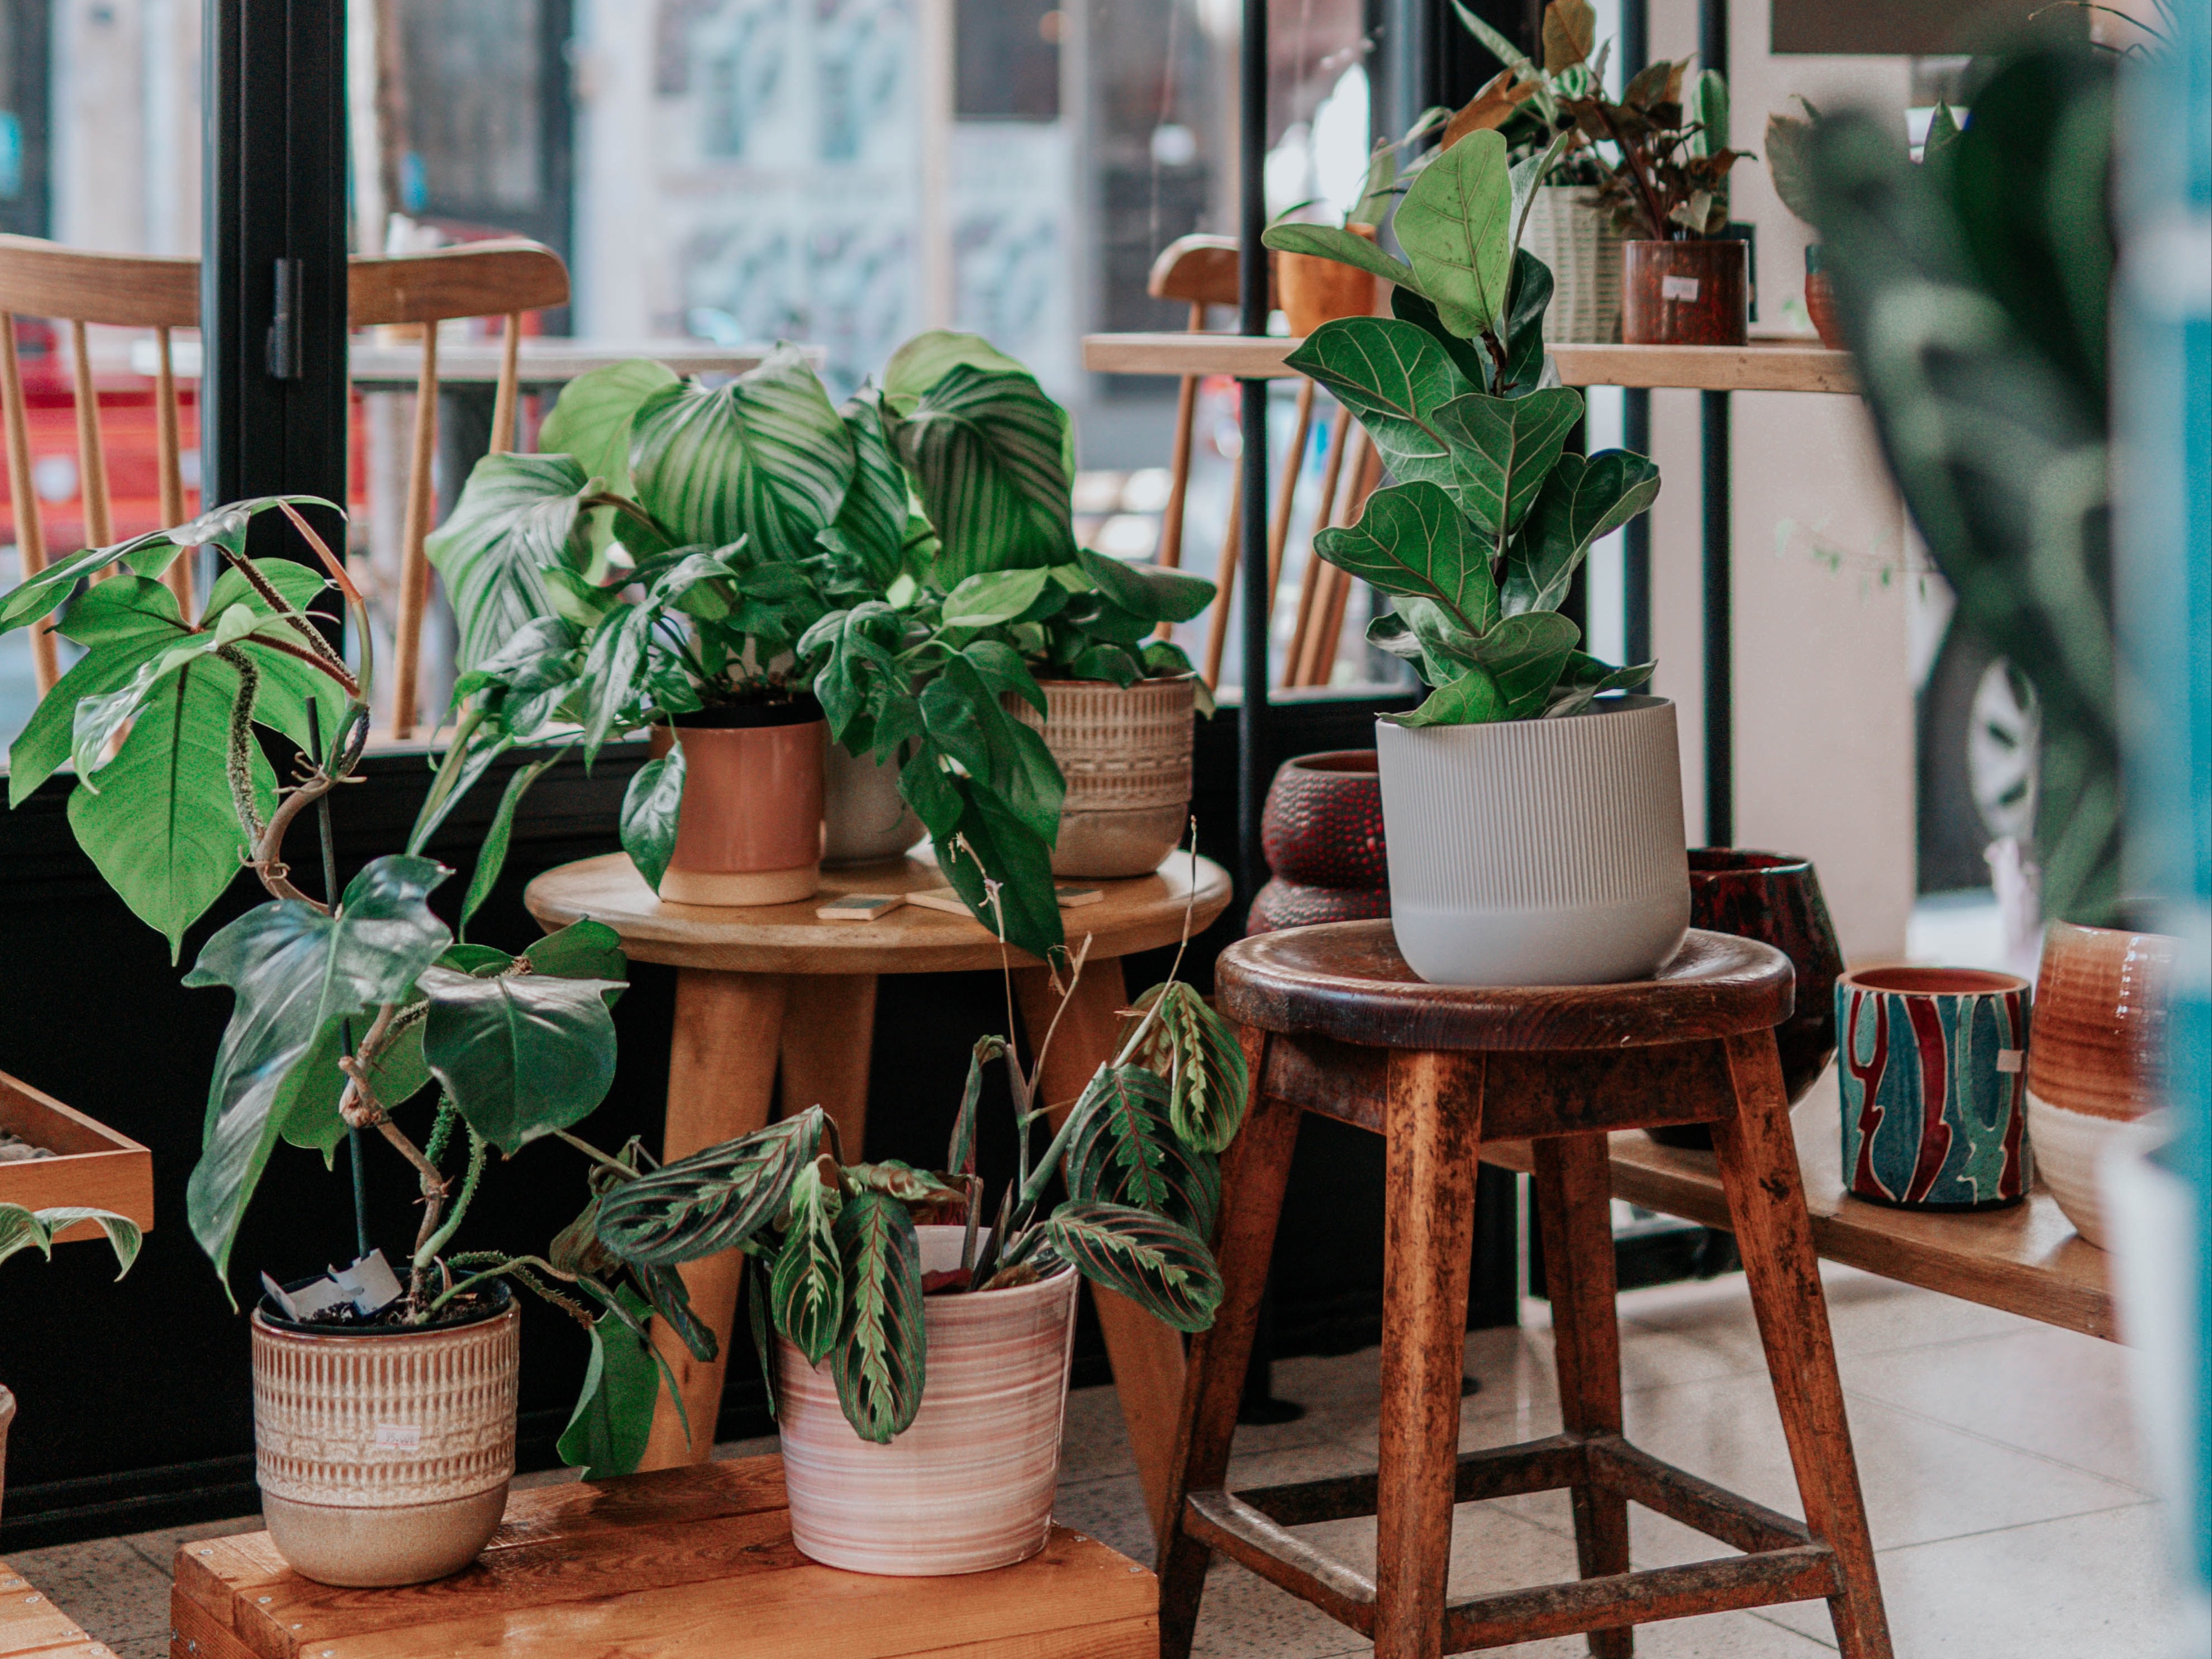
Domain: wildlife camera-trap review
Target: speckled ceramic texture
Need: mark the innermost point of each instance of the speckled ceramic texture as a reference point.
(1321, 835)
(864, 816)
(969, 1487)
(1933, 1081)
(384, 1459)
(1125, 752)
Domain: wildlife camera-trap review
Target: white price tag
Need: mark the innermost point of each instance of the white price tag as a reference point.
(399, 1437)
(2011, 1060)
(1678, 287)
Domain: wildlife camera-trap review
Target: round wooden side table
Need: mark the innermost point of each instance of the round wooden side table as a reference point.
(775, 985)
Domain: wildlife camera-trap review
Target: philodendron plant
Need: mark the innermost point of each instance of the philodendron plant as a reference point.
(839, 1265)
(1479, 540)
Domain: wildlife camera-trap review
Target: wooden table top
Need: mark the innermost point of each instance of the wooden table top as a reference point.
(2027, 1259)
(1138, 914)
(694, 1562)
(1761, 366)
(33, 1628)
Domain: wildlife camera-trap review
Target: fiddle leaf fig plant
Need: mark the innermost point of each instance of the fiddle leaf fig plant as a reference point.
(1479, 540)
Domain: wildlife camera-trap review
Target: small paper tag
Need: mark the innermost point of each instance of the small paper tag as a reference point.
(1678, 287)
(1074, 898)
(860, 907)
(2011, 1060)
(399, 1437)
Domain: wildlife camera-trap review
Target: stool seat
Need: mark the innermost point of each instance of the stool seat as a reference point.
(1346, 981)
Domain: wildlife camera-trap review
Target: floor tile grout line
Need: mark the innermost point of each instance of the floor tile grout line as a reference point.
(2013, 1526)
(1851, 1393)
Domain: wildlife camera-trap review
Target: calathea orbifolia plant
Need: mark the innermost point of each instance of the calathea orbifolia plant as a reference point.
(1480, 537)
(838, 1263)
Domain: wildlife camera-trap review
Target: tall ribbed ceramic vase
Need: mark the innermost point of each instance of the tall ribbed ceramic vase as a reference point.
(1537, 852)
(384, 1455)
(969, 1485)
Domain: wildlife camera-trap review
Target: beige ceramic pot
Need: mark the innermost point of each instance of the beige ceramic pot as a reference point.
(384, 1456)
(2102, 997)
(864, 818)
(751, 828)
(969, 1487)
(1572, 233)
(1125, 752)
(1314, 290)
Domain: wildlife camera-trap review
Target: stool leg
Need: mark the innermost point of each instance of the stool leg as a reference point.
(1253, 1173)
(1433, 1117)
(1766, 1201)
(1574, 1209)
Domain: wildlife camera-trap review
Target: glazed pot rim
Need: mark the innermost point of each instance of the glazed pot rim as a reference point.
(266, 1315)
(1335, 762)
(1772, 864)
(1905, 979)
(1632, 703)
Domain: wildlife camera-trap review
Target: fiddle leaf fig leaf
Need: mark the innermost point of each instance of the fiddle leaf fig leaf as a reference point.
(880, 1360)
(1524, 327)
(519, 1055)
(987, 451)
(1582, 501)
(1454, 226)
(807, 1285)
(1335, 242)
(1414, 541)
(518, 515)
(295, 972)
(1585, 678)
(1504, 448)
(1394, 376)
(712, 1200)
(1470, 699)
(1524, 656)
(1159, 1264)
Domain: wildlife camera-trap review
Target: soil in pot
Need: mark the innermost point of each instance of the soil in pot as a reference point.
(1125, 752)
(969, 1485)
(384, 1451)
(749, 831)
(13, 1149)
(1696, 293)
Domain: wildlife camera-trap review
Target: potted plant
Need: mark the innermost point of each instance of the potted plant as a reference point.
(1535, 834)
(384, 1403)
(1315, 288)
(25, 1229)
(915, 1339)
(1684, 282)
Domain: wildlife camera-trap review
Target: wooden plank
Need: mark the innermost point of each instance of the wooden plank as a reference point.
(97, 1168)
(1761, 366)
(1544, 1465)
(1128, 1638)
(196, 1633)
(542, 360)
(31, 1624)
(476, 279)
(1738, 1581)
(38, 278)
(1226, 1525)
(1680, 1496)
(2027, 1259)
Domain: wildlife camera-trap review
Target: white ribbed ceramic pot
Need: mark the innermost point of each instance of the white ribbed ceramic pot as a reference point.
(384, 1457)
(1538, 852)
(969, 1485)
(1125, 752)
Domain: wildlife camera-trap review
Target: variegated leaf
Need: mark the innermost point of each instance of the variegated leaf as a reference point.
(879, 1363)
(1159, 1264)
(808, 1285)
(1125, 1150)
(928, 1196)
(1194, 1049)
(712, 1201)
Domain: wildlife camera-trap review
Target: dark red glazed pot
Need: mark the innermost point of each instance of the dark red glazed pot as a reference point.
(1773, 898)
(1685, 293)
(1321, 832)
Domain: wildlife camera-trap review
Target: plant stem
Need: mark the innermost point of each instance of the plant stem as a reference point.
(538, 1263)
(319, 754)
(427, 1251)
(596, 1156)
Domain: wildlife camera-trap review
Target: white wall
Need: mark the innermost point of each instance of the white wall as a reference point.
(124, 106)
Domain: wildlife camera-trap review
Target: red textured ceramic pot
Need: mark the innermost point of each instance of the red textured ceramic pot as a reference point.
(1821, 301)
(749, 831)
(1321, 833)
(1694, 293)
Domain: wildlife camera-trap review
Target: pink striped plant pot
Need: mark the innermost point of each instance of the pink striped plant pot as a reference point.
(969, 1487)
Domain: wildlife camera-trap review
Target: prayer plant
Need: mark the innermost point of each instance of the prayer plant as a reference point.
(1479, 538)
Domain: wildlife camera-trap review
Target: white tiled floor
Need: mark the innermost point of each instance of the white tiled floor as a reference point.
(2011, 1513)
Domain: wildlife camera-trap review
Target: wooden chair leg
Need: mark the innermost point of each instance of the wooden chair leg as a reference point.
(1433, 1119)
(1252, 1172)
(1766, 1201)
(1574, 1211)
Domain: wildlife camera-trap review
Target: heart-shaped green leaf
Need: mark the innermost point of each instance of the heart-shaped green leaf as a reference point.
(613, 1417)
(521, 1054)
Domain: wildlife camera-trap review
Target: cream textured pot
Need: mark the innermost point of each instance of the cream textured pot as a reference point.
(384, 1456)
(1125, 752)
(1539, 852)
(969, 1485)
(1572, 232)
(864, 816)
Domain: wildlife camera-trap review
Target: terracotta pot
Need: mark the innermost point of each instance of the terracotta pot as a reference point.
(1775, 898)
(970, 1485)
(1572, 233)
(1685, 293)
(384, 1455)
(1821, 301)
(2101, 1002)
(749, 831)
(1538, 852)
(865, 819)
(1321, 833)
(1125, 752)
(1314, 290)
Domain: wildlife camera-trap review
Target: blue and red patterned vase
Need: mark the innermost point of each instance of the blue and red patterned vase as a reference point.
(1933, 1075)
(1321, 833)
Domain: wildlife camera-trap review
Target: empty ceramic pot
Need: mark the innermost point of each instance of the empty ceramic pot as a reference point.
(1125, 753)
(2095, 1064)
(1695, 293)
(1322, 834)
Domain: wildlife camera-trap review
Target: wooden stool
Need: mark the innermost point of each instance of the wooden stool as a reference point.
(1334, 1022)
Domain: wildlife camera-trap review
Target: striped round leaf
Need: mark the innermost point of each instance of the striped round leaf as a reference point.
(985, 448)
(1125, 1150)
(517, 515)
(766, 456)
(1194, 1049)
(880, 1362)
(807, 1288)
(1158, 1265)
(712, 1201)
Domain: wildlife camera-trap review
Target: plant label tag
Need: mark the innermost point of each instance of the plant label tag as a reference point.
(398, 1436)
(2011, 1060)
(940, 898)
(1679, 288)
(1074, 898)
(860, 907)
(369, 1284)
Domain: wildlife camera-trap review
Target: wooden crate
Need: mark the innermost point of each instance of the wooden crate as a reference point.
(680, 1564)
(96, 1169)
(33, 1628)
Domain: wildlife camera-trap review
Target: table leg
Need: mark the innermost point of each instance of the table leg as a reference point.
(721, 1077)
(829, 1032)
(1147, 1355)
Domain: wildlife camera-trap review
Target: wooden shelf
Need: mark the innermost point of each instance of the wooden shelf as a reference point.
(33, 1628)
(95, 1168)
(2027, 1259)
(1762, 365)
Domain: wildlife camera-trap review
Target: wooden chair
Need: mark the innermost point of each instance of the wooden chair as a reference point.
(1334, 1021)
(46, 280)
(500, 278)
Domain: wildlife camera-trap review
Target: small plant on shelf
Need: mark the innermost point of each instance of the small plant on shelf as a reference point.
(1669, 182)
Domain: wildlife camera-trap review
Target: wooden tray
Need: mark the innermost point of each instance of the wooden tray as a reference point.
(95, 1168)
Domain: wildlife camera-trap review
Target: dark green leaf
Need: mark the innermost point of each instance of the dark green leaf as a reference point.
(712, 1200)
(607, 1431)
(1012, 855)
(1395, 378)
(1524, 656)
(520, 1055)
(1470, 699)
(880, 1361)
(582, 950)
(1582, 501)
(1112, 663)
(1159, 1264)
(1413, 541)
(1467, 355)
(1195, 1048)
(591, 419)
(1586, 677)
(1455, 225)
(1150, 592)
(960, 1156)
(493, 856)
(1504, 448)
(1524, 326)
